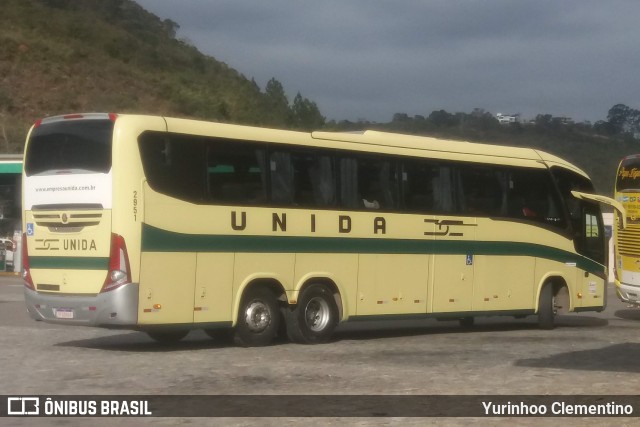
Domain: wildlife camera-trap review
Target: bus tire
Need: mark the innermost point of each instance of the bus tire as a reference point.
(167, 337)
(258, 318)
(314, 318)
(546, 309)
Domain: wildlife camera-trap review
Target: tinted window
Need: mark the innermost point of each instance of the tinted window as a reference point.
(368, 183)
(220, 171)
(174, 165)
(479, 190)
(570, 181)
(532, 196)
(427, 186)
(75, 146)
(236, 173)
(303, 178)
(204, 170)
(483, 192)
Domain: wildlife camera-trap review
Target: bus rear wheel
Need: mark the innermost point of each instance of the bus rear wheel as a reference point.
(314, 318)
(258, 318)
(546, 308)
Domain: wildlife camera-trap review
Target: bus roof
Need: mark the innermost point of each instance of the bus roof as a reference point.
(388, 139)
(384, 141)
(427, 143)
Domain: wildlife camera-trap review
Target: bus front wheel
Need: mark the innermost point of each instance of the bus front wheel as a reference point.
(314, 318)
(258, 318)
(546, 308)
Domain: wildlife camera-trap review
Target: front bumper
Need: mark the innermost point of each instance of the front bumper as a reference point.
(628, 293)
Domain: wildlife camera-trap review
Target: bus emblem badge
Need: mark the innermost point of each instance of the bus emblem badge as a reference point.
(65, 218)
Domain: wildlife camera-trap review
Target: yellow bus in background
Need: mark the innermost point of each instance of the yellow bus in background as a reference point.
(627, 240)
(166, 225)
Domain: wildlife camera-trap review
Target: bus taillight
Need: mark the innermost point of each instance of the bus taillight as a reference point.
(119, 271)
(26, 273)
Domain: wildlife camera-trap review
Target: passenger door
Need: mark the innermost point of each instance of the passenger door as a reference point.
(591, 243)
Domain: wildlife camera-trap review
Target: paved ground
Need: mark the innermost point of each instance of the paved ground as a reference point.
(590, 353)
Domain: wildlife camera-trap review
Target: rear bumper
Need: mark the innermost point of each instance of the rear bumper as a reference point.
(117, 308)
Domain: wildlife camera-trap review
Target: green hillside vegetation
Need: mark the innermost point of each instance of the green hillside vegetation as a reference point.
(596, 148)
(62, 56)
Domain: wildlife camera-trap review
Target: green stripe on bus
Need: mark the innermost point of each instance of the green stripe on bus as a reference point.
(159, 240)
(15, 168)
(68, 263)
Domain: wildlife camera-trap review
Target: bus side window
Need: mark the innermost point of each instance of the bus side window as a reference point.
(235, 173)
(349, 195)
(281, 171)
(367, 182)
(314, 181)
(377, 182)
(531, 196)
(482, 192)
(174, 165)
(420, 185)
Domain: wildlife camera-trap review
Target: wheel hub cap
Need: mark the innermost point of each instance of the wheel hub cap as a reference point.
(317, 314)
(257, 316)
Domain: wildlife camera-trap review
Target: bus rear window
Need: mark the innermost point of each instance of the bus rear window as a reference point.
(77, 146)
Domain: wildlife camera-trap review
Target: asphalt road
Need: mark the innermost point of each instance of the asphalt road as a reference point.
(588, 353)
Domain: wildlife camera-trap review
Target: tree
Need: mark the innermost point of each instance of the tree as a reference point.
(277, 104)
(623, 119)
(306, 115)
(275, 95)
(400, 118)
(544, 120)
(602, 127)
(170, 27)
(442, 119)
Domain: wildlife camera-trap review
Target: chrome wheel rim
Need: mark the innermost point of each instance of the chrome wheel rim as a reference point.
(317, 314)
(257, 316)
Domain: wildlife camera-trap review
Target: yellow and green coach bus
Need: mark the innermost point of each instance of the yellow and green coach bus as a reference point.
(167, 225)
(627, 240)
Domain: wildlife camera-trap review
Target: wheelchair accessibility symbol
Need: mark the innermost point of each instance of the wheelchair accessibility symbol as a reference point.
(469, 259)
(30, 229)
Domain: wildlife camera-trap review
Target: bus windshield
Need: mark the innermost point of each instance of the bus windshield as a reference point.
(628, 178)
(584, 215)
(73, 146)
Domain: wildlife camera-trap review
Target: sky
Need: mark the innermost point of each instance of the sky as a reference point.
(369, 59)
